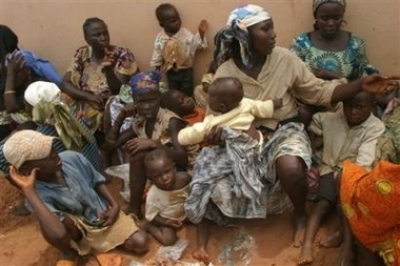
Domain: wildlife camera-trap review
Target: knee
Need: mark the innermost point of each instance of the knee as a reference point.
(138, 242)
(169, 238)
(291, 168)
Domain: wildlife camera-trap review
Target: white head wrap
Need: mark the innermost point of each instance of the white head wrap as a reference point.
(41, 91)
(248, 15)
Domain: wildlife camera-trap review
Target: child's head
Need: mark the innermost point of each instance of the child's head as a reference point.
(160, 169)
(358, 108)
(168, 18)
(225, 94)
(178, 102)
(146, 94)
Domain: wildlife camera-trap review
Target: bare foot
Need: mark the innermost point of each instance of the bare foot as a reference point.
(306, 255)
(201, 255)
(333, 241)
(299, 223)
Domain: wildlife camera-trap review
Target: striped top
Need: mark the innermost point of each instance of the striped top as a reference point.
(89, 150)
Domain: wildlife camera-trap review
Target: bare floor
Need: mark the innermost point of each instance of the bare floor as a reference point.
(21, 242)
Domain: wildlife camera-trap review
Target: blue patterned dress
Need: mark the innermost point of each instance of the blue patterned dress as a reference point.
(351, 63)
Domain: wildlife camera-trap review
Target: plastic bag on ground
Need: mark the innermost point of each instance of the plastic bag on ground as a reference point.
(121, 171)
(239, 250)
(173, 252)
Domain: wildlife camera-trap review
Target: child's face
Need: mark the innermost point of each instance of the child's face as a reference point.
(358, 109)
(214, 98)
(184, 103)
(148, 104)
(171, 21)
(162, 172)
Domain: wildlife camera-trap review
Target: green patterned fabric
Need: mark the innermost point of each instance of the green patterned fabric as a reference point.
(71, 132)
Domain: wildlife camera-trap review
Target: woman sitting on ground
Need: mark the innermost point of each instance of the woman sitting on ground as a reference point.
(329, 51)
(18, 69)
(97, 71)
(246, 50)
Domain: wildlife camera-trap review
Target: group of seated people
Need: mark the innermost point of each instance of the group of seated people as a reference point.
(265, 121)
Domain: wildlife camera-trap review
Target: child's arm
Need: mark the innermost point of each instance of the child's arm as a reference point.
(366, 152)
(158, 220)
(261, 109)
(192, 135)
(110, 216)
(178, 152)
(156, 58)
(114, 138)
(199, 41)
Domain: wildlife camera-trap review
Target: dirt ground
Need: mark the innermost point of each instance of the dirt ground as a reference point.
(22, 245)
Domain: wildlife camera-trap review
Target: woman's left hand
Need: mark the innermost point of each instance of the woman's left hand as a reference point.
(109, 59)
(379, 84)
(136, 145)
(110, 216)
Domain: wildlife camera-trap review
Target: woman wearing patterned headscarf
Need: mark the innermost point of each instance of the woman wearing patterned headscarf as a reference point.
(153, 127)
(245, 49)
(330, 52)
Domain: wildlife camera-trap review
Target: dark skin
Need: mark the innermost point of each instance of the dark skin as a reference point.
(356, 110)
(97, 36)
(163, 173)
(291, 170)
(171, 22)
(329, 36)
(180, 103)
(18, 79)
(57, 233)
(147, 106)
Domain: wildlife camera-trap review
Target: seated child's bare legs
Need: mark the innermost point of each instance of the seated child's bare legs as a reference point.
(321, 209)
(138, 242)
(327, 195)
(137, 179)
(167, 236)
(203, 230)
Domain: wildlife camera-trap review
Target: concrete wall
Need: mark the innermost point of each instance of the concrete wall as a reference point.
(52, 28)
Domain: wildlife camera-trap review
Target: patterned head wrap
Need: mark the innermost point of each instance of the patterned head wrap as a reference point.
(145, 81)
(236, 29)
(317, 3)
(48, 109)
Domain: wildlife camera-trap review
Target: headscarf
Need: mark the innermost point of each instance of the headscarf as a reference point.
(47, 108)
(317, 3)
(236, 28)
(145, 81)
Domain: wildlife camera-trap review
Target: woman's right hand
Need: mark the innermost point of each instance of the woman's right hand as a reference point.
(129, 110)
(96, 100)
(24, 182)
(15, 63)
(214, 137)
(325, 74)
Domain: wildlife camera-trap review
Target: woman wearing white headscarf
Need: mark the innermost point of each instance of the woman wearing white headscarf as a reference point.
(245, 49)
(54, 119)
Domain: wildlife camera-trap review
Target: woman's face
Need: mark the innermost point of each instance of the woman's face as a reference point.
(97, 36)
(262, 37)
(148, 103)
(329, 17)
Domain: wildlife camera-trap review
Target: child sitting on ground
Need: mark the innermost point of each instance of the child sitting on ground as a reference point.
(175, 48)
(225, 97)
(182, 105)
(164, 203)
(350, 133)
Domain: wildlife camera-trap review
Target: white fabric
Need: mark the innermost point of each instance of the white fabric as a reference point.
(248, 15)
(41, 91)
